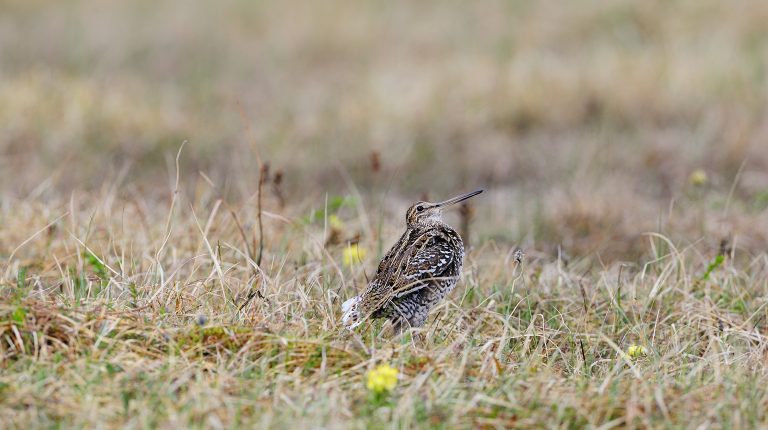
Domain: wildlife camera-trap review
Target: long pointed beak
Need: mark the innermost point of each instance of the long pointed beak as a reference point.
(458, 199)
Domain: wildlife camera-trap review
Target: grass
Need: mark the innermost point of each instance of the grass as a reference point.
(621, 145)
(99, 328)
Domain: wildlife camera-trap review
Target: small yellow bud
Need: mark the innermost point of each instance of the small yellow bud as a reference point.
(636, 351)
(698, 178)
(336, 222)
(353, 254)
(381, 379)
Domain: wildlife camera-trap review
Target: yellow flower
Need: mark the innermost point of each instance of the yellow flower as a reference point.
(381, 379)
(636, 351)
(336, 222)
(353, 254)
(698, 178)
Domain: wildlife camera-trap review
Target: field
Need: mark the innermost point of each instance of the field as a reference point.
(189, 190)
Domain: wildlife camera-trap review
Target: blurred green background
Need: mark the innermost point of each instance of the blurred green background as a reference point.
(587, 121)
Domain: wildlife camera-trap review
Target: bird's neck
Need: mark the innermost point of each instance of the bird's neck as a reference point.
(430, 224)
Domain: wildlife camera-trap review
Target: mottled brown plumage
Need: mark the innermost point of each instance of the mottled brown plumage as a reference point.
(419, 271)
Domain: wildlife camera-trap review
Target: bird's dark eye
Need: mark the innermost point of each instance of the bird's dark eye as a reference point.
(419, 208)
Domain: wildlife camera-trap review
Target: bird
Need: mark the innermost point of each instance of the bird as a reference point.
(420, 269)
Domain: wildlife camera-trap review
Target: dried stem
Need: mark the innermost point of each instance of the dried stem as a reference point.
(263, 171)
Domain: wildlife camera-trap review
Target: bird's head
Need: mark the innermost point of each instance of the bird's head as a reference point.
(426, 213)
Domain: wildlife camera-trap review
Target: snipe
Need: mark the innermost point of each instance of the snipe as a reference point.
(419, 271)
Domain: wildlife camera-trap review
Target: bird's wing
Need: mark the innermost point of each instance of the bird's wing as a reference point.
(430, 261)
(408, 267)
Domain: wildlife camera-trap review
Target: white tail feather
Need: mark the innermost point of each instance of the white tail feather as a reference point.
(351, 317)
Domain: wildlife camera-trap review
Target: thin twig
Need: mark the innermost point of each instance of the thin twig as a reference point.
(262, 177)
(583, 355)
(173, 205)
(256, 292)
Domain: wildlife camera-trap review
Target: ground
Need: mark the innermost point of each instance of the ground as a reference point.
(189, 190)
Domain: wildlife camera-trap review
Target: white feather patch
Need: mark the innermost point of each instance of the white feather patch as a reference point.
(351, 317)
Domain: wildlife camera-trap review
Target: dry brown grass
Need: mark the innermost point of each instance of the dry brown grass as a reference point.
(128, 276)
